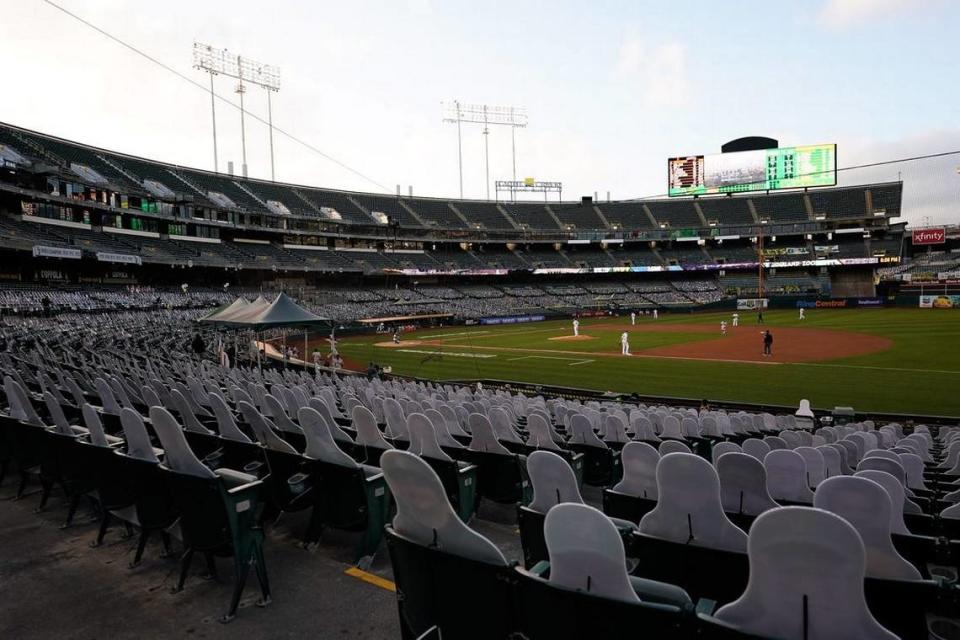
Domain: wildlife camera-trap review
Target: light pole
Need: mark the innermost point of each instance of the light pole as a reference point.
(513, 117)
(222, 62)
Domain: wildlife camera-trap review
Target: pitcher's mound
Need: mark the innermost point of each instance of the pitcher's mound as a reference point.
(394, 345)
(579, 338)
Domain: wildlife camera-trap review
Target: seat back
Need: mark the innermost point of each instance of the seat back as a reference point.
(424, 513)
(553, 481)
(672, 446)
(755, 447)
(787, 477)
(776, 442)
(323, 408)
(895, 491)
(586, 552)
(882, 453)
(816, 467)
(806, 580)
(688, 507)
(866, 505)
(639, 460)
(263, 430)
(91, 420)
(444, 438)
(893, 467)
(423, 438)
(581, 432)
(225, 422)
(185, 410)
(20, 407)
(483, 437)
(721, 448)
(275, 409)
(177, 454)
(396, 420)
(368, 433)
(319, 439)
(452, 420)
(913, 468)
(539, 433)
(107, 399)
(743, 485)
(502, 425)
(614, 429)
(832, 465)
(671, 428)
(55, 411)
(135, 433)
(643, 428)
(150, 397)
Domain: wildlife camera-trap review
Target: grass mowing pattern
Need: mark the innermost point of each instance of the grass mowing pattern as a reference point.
(919, 374)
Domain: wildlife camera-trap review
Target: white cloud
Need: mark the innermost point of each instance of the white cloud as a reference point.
(658, 71)
(842, 13)
(931, 186)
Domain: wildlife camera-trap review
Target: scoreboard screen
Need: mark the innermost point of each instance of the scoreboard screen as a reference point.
(784, 168)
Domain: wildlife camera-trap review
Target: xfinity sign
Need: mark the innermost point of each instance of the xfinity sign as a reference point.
(929, 236)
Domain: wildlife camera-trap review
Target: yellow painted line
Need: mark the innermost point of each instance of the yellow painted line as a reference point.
(370, 578)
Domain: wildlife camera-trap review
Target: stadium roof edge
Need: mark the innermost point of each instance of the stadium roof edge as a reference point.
(346, 192)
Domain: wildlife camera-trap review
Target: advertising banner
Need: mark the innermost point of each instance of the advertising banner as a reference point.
(56, 252)
(942, 301)
(513, 319)
(929, 236)
(747, 304)
(124, 258)
(840, 303)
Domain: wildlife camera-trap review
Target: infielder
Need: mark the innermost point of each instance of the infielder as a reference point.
(633, 317)
(624, 344)
(723, 327)
(576, 327)
(801, 313)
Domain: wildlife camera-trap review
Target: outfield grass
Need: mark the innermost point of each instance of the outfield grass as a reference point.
(919, 373)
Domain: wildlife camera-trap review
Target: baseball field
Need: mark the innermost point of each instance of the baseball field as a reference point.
(884, 360)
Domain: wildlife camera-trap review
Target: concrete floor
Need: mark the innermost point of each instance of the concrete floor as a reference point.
(54, 585)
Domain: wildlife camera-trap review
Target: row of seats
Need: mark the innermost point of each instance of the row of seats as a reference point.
(126, 175)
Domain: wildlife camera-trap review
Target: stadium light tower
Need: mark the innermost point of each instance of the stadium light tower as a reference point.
(513, 117)
(222, 62)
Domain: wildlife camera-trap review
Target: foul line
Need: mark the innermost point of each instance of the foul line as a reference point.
(615, 354)
(575, 362)
(448, 353)
(370, 578)
(450, 335)
(506, 333)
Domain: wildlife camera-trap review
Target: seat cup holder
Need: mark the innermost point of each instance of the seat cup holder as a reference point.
(943, 629)
(942, 574)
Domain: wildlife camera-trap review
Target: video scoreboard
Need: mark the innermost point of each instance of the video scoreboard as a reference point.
(760, 170)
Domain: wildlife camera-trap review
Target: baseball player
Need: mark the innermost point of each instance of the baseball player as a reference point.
(624, 344)
(576, 327)
(801, 313)
(736, 319)
(654, 314)
(723, 327)
(633, 317)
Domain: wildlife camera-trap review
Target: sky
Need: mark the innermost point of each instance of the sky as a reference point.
(612, 89)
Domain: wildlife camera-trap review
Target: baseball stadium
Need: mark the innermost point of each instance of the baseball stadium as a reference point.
(727, 409)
